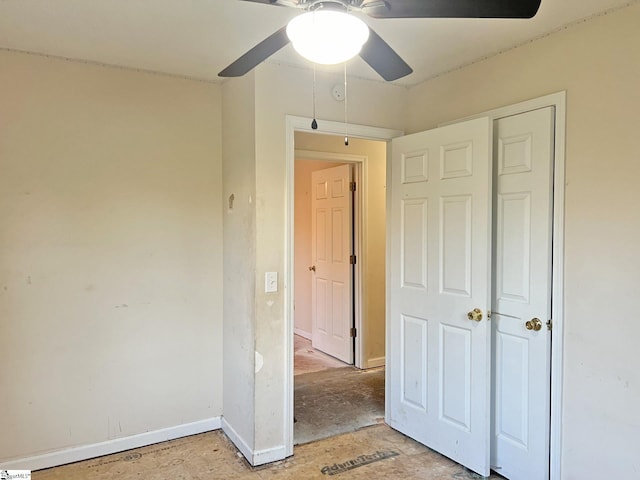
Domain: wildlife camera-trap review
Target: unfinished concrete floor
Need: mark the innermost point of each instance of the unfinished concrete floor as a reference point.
(338, 400)
(371, 453)
(330, 397)
(307, 359)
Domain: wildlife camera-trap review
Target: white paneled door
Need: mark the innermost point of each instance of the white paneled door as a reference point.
(439, 292)
(523, 166)
(332, 244)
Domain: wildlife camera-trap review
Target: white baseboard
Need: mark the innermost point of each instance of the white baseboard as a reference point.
(85, 452)
(260, 457)
(375, 362)
(302, 333)
(255, 458)
(237, 440)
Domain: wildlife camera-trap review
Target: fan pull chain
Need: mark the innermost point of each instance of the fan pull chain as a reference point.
(314, 123)
(346, 136)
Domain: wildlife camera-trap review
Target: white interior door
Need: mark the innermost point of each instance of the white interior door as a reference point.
(523, 240)
(331, 250)
(438, 384)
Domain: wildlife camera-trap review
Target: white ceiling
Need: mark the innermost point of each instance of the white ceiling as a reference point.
(198, 38)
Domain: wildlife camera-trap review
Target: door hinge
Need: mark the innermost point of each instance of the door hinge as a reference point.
(352, 186)
(352, 259)
(353, 332)
(549, 325)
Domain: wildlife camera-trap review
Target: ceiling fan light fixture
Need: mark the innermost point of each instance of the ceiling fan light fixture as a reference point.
(327, 37)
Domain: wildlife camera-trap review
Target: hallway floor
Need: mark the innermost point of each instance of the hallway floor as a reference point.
(335, 401)
(376, 452)
(307, 359)
(331, 397)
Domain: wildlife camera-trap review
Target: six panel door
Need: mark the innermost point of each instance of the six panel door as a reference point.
(438, 376)
(331, 249)
(523, 179)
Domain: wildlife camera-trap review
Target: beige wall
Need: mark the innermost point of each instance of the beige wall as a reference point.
(302, 242)
(110, 254)
(238, 135)
(373, 315)
(596, 62)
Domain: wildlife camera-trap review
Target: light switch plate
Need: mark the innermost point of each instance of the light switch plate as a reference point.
(270, 282)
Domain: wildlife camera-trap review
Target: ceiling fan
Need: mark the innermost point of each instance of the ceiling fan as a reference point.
(375, 51)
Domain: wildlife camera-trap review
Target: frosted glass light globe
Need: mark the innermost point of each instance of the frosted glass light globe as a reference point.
(327, 37)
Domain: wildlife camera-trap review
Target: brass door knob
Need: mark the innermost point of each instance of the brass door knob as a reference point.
(312, 268)
(475, 314)
(534, 324)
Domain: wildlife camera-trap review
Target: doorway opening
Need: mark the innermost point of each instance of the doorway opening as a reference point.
(297, 125)
(339, 285)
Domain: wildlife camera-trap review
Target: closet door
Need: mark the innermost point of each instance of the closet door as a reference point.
(523, 180)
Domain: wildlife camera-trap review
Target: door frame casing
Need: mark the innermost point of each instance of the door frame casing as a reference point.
(303, 124)
(558, 101)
